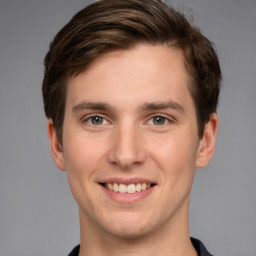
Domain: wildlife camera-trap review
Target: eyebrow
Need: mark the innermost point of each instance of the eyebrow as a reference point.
(92, 105)
(148, 106)
(163, 105)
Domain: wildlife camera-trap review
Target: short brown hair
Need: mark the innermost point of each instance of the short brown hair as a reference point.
(109, 25)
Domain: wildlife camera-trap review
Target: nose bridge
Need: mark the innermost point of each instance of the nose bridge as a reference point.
(127, 149)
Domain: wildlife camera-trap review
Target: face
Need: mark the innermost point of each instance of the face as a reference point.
(130, 141)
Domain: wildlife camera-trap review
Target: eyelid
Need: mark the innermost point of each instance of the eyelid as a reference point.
(88, 117)
(168, 118)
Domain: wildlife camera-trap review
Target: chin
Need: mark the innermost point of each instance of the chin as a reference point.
(130, 232)
(130, 227)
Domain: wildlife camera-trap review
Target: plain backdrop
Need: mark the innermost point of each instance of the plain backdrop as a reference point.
(38, 215)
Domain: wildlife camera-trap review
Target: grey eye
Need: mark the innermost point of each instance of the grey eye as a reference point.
(97, 120)
(159, 120)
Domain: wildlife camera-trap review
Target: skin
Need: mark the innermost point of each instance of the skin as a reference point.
(129, 141)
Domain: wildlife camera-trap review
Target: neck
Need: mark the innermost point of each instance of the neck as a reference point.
(171, 239)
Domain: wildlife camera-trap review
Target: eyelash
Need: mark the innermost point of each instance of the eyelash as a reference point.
(89, 119)
(165, 118)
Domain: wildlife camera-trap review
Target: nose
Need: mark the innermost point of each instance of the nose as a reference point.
(127, 148)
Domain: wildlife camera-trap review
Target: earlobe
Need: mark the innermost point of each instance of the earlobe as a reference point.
(207, 143)
(55, 146)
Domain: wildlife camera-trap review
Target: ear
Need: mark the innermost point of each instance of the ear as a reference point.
(207, 143)
(55, 146)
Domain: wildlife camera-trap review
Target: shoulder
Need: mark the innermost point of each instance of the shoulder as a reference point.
(200, 248)
(75, 251)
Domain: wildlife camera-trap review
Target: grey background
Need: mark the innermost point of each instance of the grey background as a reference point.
(38, 215)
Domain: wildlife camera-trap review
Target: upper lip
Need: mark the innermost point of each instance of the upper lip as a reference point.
(127, 181)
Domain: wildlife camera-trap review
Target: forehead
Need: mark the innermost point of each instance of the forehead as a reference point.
(144, 73)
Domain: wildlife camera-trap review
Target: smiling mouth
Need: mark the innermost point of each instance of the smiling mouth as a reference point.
(130, 188)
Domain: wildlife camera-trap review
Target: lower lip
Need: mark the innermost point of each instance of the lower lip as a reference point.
(127, 198)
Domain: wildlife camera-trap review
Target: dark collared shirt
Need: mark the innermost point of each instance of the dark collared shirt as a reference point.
(201, 250)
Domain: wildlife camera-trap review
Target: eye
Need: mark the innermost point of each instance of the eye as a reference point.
(158, 120)
(96, 120)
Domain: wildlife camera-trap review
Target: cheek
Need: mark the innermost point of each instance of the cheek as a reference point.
(175, 156)
(81, 153)
(82, 157)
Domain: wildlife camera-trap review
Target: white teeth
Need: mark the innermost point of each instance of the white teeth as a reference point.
(131, 188)
(122, 188)
(143, 186)
(115, 187)
(138, 187)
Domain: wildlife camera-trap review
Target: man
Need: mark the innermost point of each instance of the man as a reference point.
(130, 91)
